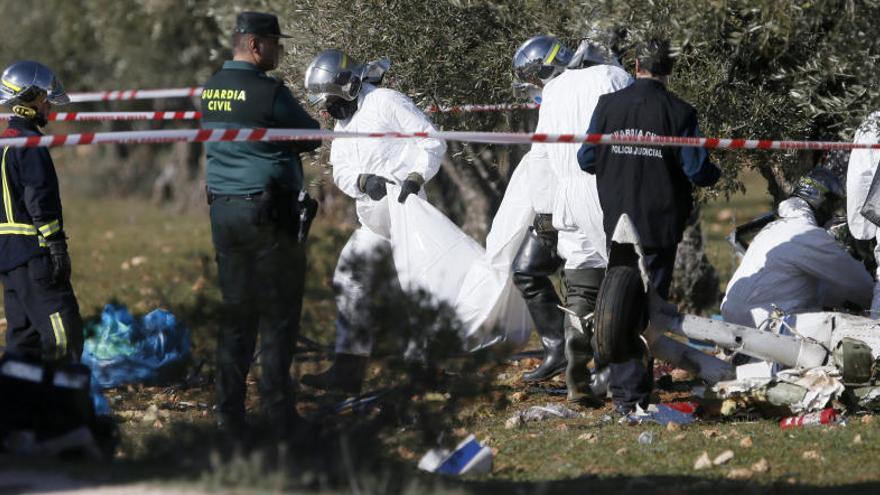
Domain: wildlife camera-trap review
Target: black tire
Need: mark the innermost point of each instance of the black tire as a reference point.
(621, 314)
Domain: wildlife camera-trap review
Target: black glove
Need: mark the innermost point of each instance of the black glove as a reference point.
(373, 185)
(60, 261)
(412, 185)
(308, 209)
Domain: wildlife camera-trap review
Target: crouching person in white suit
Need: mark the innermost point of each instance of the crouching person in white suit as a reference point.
(794, 264)
(361, 169)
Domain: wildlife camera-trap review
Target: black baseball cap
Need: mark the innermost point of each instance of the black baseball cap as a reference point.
(258, 23)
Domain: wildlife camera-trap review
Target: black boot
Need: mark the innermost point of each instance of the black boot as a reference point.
(346, 374)
(581, 289)
(532, 267)
(577, 374)
(554, 360)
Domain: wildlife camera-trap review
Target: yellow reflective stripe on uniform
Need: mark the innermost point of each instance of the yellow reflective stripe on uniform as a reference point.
(7, 198)
(60, 334)
(50, 228)
(18, 229)
(10, 227)
(553, 52)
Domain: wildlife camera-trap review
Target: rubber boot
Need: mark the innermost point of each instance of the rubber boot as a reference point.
(581, 290)
(535, 261)
(346, 374)
(555, 360)
(577, 375)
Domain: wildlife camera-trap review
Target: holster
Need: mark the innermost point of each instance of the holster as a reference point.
(307, 210)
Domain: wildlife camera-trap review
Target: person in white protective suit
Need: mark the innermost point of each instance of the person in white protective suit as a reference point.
(567, 103)
(361, 169)
(796, 265)
(863, 194)
(535, 63)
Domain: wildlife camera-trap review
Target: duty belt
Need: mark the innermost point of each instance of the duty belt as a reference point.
(212, 196)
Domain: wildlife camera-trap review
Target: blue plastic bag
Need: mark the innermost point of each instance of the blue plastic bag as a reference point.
(99, 402)
(120, 350)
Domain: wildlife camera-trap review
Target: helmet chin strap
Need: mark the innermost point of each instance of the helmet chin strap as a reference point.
(23, 111)
(30, 114)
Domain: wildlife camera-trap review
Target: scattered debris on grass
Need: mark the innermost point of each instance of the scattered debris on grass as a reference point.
(540, 413)
(711, 433)
(739, 474)
(590, 437)
(811, 455)
(824, 417)
(723, 458)
(761, 466)
(703, 462)
(469, 457)
(661, 414)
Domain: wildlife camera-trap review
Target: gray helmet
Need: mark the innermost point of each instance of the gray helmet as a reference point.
(540, 59)
(598, 46)
(374, 72)
(333, 73)
(25, 81)
(823, 191)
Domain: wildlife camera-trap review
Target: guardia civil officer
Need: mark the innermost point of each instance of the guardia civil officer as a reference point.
(652, 185)
(42, 314)
(252, 189)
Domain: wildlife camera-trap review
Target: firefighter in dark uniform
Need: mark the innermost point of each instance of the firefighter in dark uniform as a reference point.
(42, 314)
(653, 185)
(252, 189)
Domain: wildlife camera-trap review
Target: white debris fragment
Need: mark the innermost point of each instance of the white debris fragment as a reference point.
(723, 458)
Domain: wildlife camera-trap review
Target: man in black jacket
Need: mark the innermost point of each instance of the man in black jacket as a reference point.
(653, 185)
(41, 309)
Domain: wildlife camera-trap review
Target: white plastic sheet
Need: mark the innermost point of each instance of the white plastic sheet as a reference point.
(431, 253)
(488, 303)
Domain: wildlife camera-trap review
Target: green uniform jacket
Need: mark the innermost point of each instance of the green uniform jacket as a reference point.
(242, 96)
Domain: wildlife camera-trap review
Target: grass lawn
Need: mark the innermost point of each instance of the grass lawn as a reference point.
(143, 256)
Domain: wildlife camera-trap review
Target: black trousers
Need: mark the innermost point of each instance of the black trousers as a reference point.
(42, 318)
(632, 380)
(262, 273)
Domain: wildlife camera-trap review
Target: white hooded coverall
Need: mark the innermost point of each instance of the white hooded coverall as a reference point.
(567, 107)
(859, 174)
(796, 266)
(379, 110)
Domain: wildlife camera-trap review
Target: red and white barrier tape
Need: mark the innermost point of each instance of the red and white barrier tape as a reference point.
(134, 94)
(104, 116)
(259, 134)
(149, 94)
(502, 107)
